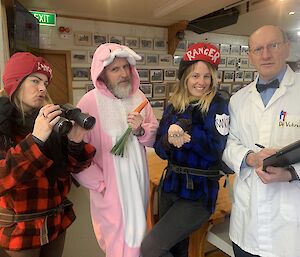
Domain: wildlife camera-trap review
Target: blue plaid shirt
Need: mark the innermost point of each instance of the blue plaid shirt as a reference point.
(204, 151)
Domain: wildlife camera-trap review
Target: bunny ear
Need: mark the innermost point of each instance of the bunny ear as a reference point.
(103, 52)
(132, 53)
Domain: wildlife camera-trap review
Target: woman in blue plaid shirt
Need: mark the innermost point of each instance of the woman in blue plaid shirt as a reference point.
(191, 136)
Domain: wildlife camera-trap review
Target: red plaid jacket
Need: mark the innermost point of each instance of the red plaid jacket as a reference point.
(24, 188)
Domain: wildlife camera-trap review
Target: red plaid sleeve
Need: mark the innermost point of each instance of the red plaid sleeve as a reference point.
(21, 163)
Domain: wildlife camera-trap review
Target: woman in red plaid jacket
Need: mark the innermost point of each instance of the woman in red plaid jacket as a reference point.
(36, 162)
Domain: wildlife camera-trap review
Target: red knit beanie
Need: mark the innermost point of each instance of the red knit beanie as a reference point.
(19, 66)
(199, 52)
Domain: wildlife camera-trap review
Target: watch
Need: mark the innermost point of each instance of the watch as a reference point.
(139, 132)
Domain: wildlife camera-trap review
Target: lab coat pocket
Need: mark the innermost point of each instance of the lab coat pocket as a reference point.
(290, 203)
(241, 194)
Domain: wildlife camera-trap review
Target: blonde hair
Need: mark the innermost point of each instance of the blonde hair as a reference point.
(182, 98)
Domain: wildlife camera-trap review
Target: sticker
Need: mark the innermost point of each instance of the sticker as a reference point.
(222, 124)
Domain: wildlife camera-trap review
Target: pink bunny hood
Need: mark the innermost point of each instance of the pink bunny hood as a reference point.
(105, 55)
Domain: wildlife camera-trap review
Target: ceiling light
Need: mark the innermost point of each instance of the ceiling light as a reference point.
(170, 6)
(291, 13)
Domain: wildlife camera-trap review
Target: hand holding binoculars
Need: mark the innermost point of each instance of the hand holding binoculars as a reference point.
(70, 112)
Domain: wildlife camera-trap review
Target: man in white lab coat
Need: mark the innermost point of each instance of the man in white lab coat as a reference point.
(265, 218)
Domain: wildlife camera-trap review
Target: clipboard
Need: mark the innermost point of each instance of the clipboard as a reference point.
(286, 156)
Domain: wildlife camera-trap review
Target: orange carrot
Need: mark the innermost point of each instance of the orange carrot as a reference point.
(141, 106)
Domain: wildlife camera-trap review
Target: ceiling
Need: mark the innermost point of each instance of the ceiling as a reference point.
(253, 13)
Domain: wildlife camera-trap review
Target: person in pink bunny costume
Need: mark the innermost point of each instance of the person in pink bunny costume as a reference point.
(118, 185)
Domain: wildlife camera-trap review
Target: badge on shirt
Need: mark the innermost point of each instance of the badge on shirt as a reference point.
(222, 123)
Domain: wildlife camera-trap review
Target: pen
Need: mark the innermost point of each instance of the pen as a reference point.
(260, 146)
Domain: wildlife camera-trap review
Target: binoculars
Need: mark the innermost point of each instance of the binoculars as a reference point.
(70, 112)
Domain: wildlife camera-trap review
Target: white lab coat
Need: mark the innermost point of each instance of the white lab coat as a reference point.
(265, 218)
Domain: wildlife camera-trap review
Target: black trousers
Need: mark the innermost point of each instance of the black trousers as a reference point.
(178, 219)
(239, 252)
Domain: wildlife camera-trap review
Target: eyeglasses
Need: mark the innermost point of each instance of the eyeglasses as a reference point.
(272, 47)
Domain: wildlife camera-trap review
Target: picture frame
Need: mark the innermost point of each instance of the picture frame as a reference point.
(159, 44)
(235, 88)
(143, 60)
(219, 76)
(132, 42)
(177, 59)
(170, 74)
(228, 76)
(182, 45)
(99, 39)
(158, 108)
(81, 73)
(171, 88)
(165, 59)
(152, 59)
(255, 74)
(147, 89)
(226, 87)
(78, 93)
(159, 90)
(223, 61)
(156, 75)
(231, 62)
(244, 63)
(146, 43)
(248, 76)
(79, 56)
(244, 50)
(82, 38)
(224, 49)
(235, 50)
(90, 56)
(143, 74)
(116, 39)
(239, 76)
(89, 87)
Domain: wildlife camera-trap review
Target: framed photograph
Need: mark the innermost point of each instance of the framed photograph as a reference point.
(90, 56)
(228, 76)
(82, 38)
(255, 74)
(78, 93)
(79, 56)
(146, 43)
(152, 59)
(239, 76)
(81, 73)
(132, 42)
(165, 59)
(160, 44)
(156, 76)
(158, 108)
(143, 74)
(177, 60)
(248, 76)
(147, 89)
(226, 87)
(235, 88)
(89, 87)
(99, 39)
(116, 39)
(231, 62)
(244, 50)
(219, 76)
(171, 88)
(159, 90)
(244, 63)
(170, 74)
(223, 61)
(181, 46)
(143, 60)
(235, 49)
(224, 49)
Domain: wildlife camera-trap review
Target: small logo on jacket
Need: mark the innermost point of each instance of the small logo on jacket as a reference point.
(282, 116)
(222, 124)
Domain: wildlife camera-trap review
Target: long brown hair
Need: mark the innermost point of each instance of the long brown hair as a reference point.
(182, 98)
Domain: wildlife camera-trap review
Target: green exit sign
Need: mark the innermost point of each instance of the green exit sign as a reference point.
(44, 18)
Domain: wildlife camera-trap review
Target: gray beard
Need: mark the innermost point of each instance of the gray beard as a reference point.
(120, 91)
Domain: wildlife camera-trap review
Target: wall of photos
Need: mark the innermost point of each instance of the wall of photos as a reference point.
(157, 69)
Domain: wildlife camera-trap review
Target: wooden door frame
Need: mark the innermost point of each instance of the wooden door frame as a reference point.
(69, 69)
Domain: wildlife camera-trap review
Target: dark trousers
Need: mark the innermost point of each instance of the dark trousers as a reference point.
(178, 219)
(239, 252)
(53, 249)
